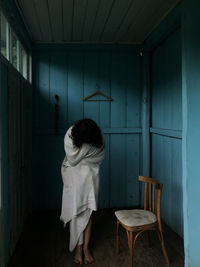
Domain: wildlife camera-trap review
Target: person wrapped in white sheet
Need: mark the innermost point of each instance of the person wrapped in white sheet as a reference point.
(84, 147)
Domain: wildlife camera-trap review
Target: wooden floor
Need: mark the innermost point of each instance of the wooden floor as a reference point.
(44, 243)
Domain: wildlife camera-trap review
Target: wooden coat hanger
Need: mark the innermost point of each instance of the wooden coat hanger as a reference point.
(107, 98)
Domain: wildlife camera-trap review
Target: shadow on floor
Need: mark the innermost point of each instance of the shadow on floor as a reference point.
(44, 243)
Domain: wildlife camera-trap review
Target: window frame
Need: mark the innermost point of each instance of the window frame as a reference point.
(23, 56)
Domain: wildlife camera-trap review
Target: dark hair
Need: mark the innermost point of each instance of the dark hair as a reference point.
(86, 131)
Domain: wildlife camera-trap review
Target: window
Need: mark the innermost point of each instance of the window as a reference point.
(12, 49)
(4, 36)
(30, 68)
(24, 63)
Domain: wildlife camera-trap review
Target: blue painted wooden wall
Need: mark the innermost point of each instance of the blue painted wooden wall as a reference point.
(166, 129)
(191, 129)
(4, 207)
(15, 157)
(73, 72)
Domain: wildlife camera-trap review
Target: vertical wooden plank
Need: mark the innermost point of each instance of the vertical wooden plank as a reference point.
(51, 170)
(104, 82)
(132, 150)
(35, 92)
(58, 86)
(153, 198)
(133, 91)
(42, 172)
(166, 180)
(157, 96)
(166, 85)
(145, 196)
(91, 84)
(150, 206)
(104, 183)
(176, 120)
(43, 91)
(176, 185)
(118, 90)
(75, 86)
(117, 171)
(145, 116)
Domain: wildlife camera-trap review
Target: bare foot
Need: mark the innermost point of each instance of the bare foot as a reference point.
(79, 255)
(87, 256)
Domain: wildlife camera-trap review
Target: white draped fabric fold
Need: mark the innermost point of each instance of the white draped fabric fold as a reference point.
(80, 174)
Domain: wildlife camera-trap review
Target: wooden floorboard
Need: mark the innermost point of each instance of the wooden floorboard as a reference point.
(44, 243)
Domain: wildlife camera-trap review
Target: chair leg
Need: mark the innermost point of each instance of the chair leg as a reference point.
(117, 238)
(160, 235)
(130, 244)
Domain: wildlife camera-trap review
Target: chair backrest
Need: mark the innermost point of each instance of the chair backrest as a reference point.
(152, 194)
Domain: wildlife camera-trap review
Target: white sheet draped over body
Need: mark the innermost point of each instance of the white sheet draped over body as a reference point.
(80, 174)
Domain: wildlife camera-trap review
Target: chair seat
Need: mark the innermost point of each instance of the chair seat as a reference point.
(136, 217)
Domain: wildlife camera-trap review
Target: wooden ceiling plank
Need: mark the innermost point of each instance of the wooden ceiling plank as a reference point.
(134, 25)
(135, 8)
(29, 13)
(90, 19)
(128, 21)
(102, 16)
(43, 19)
(56, 19)
(157, 20)
(68, 7)
(151, 15)
(117, 15)
(80, 10)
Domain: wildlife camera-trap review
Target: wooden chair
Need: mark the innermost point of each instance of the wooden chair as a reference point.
(142, 220)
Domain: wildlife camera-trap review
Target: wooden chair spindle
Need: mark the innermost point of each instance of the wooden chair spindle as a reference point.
(150, 196)
(153, 201)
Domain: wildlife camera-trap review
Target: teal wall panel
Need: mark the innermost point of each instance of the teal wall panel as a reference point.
(42, 92)
(104, 81)
(133, 95)
(167, 168)
(58, 82)
(166, 88)
(191, 129)
(47, 171)
(104, 183)
(132, 168)
(15, 145)
(118, 90)
(91, 84)
(75, 104)
(73, 74)
(117, 170)
(166, 128)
